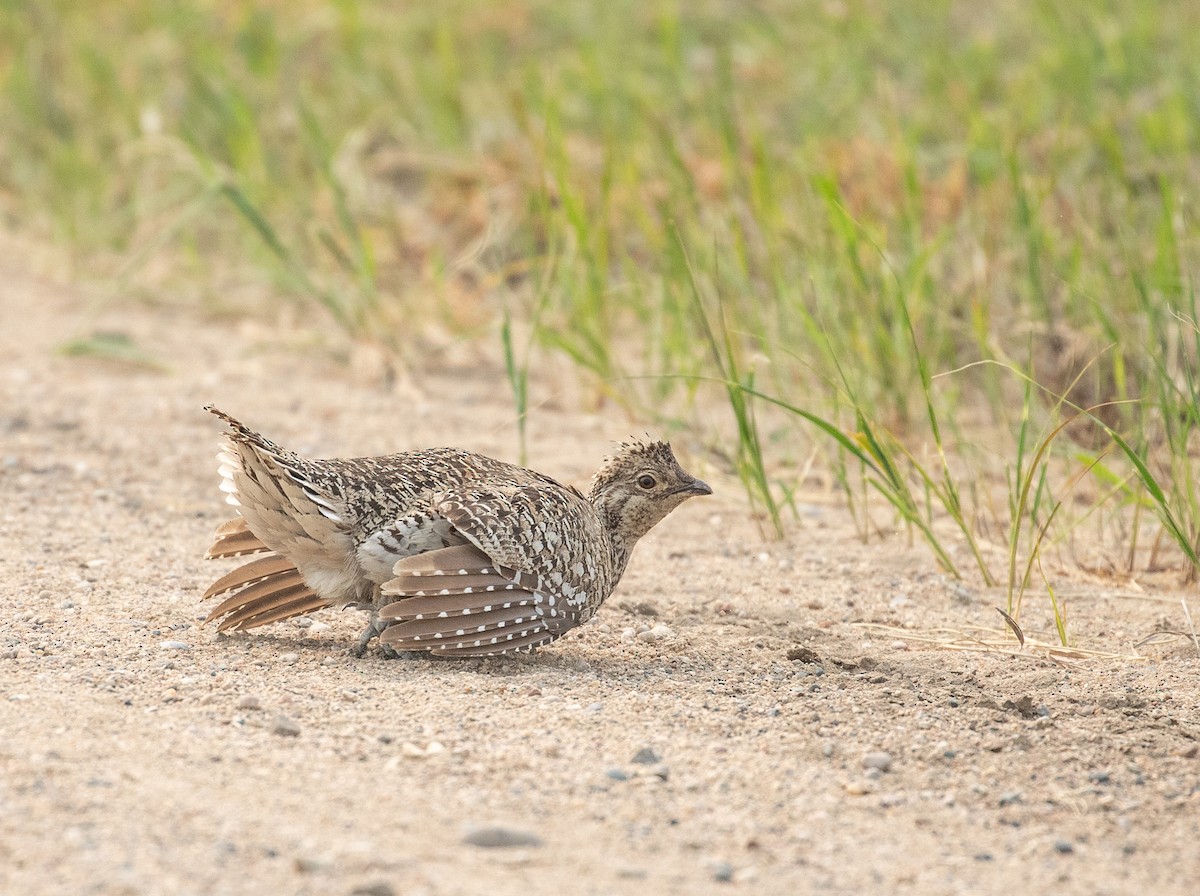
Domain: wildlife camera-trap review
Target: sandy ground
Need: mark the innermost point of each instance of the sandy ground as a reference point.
(142, 753)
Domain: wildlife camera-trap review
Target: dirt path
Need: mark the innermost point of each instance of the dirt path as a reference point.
(141, 753)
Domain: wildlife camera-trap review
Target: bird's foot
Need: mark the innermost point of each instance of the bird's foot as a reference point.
(375, 627)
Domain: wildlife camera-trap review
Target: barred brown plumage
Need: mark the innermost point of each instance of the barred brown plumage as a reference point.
(448, 550)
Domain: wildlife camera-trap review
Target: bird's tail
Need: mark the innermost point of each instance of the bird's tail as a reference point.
(267, 589)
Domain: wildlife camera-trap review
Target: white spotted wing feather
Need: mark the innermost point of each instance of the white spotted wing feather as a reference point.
(528, 574)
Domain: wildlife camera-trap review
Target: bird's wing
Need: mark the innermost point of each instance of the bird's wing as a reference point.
(536, 564)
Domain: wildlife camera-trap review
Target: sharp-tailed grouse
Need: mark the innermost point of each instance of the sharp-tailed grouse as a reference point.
(450, 551)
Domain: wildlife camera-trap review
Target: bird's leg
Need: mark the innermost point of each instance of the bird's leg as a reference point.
(375, 626)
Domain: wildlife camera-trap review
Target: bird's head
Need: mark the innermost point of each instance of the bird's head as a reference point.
(639, 485)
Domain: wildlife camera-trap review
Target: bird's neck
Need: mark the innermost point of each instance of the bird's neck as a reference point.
(622, 548)
(620, 543)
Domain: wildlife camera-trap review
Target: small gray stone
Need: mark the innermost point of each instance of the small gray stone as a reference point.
(618, 774)
(289, 658)
(499, 837)
(379, 888)
(803, 654)
(659, 632)
(173, 645)
(1064, 847)
(877, 759)
(646, 756)
(285, 727)
(721, 871)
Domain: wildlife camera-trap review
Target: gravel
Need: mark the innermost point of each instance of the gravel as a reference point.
(659, 632)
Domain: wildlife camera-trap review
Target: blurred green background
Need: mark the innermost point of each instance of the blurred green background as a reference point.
(910, 240)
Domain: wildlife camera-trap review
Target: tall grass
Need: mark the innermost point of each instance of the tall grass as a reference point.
(824, 207)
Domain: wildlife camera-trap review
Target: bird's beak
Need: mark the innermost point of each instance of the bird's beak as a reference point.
(696, 487)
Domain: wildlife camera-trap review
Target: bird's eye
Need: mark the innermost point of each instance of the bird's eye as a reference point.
(646, 481)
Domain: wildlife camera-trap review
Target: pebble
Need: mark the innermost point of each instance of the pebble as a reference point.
(646, 756)
(413, 751)
(899, 645)
(1064, 847)
(285, 727)
(1010, 798)
(249, 702)
(318, 626)
(173, 645)
(721, 871)
(659, 632)
(803, 655)
(289, 658)
(618, 774)
(500, 837)
(877, 759)
(861, 787)
(379, 888)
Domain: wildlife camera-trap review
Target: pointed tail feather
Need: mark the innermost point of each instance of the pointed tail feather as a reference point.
(233, 538)
(300, 603)
(260, 592)
(248, 574)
